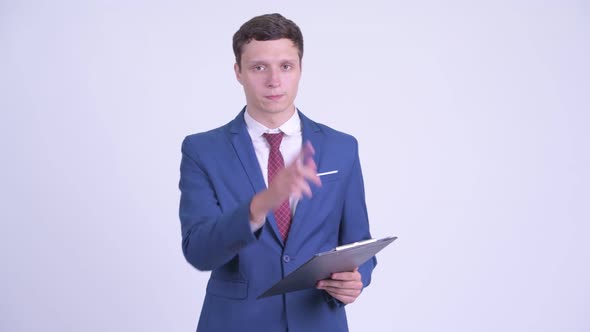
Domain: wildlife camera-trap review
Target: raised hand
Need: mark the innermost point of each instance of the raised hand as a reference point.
(294, 180)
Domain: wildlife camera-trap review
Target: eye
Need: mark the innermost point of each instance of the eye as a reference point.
(259, 68)
(287, 66)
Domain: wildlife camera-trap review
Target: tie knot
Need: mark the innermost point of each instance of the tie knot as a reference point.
(274, 139)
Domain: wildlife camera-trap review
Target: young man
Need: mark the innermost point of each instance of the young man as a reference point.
(253, 206)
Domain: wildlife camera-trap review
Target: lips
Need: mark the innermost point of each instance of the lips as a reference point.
(274, 97)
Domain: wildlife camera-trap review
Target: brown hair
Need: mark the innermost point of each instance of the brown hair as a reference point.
(267, 27)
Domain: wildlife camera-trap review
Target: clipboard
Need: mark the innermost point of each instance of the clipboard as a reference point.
(322, 265)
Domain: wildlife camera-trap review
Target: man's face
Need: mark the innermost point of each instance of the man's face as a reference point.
(270, 75)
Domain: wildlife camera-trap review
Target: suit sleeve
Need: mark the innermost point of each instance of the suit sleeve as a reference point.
(355, 222)
(210, 238)
(355, 219)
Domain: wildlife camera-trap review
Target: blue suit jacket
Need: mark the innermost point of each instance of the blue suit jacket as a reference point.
(219, 176)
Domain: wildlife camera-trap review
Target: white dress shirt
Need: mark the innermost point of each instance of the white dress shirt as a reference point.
(290, 146)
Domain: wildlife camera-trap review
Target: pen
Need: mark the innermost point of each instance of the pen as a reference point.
(327, 173)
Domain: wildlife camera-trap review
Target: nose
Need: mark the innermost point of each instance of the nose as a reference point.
(273, 79)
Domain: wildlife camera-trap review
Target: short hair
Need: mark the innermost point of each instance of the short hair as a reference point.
(267, 27)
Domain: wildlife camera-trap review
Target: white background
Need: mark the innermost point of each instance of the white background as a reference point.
(472, 118)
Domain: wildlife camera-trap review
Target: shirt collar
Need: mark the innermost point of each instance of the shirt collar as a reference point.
(290, 127)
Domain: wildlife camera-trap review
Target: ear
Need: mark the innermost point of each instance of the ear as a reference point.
(238, 73)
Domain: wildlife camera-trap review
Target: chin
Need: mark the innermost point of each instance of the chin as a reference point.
(277, 108)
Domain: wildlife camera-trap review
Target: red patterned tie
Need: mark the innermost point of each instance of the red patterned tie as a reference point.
(275, 164)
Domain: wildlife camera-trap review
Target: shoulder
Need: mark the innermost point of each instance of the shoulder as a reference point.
(329, 134)
(202, 137)
(214, 137)
(341, 137)
(206, 141)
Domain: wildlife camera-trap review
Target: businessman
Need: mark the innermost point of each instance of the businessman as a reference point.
(265, 192)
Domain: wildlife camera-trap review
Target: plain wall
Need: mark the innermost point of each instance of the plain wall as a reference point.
(473, 122)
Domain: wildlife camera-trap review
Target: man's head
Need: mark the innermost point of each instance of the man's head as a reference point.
(267, 27)
(268, 52)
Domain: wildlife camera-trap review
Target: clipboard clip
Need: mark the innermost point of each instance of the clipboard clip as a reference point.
(355, 244)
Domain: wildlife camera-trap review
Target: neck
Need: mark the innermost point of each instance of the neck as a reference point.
(272, 120)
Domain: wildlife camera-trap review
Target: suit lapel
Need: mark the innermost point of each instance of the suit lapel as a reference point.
(244, 149)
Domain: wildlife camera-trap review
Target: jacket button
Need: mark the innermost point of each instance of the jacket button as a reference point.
(286, 258)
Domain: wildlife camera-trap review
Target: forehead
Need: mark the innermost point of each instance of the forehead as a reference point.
(270, 50)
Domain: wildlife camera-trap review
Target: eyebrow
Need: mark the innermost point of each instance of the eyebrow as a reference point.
(257, 61)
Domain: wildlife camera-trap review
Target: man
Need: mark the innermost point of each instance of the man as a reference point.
(251, 231)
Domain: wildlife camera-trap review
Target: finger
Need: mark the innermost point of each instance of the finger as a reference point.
(343, 292)
(310, 164)
(309, 147)
(343, 298)
(296, 171)
(313, 178)
(298, 175)
(346, 276)
(310, 174)
(305, 157)
(340, 284)
(307, 152)
(304, 189)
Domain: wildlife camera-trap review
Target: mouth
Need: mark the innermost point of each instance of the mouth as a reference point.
(274, 97)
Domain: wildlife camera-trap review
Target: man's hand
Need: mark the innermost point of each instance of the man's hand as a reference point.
(343, 286)
(293, 180)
